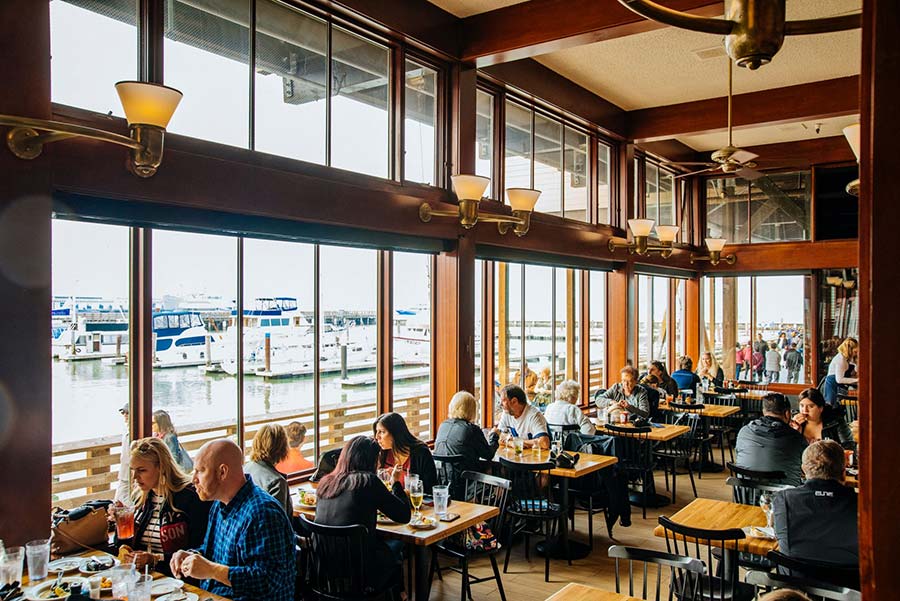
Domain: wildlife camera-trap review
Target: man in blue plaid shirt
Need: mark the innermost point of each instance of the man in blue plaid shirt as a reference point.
(248, 553)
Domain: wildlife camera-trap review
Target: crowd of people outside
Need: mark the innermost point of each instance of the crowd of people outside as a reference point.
(768, 361)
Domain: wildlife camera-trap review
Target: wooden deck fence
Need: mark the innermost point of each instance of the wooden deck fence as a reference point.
(88, 469)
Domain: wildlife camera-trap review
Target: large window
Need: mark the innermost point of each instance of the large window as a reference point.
(548, 164)
(518, 150)
(653, 320)
(597, 330)
(575, 182)
(604, 182)
(772, 208)
(420, 127)
(659, 195)
(484, 138)
(754, 313)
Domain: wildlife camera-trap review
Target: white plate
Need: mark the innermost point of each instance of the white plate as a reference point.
(84, 570)
(164, 586)
(177, 595)
(65, 564)
(34, 593)
(425, 523)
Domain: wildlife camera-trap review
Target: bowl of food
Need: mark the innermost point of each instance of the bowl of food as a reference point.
(98, 563)
(308, 498)
(56, 589)
(65, 564)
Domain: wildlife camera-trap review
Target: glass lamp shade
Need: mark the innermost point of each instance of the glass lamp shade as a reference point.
(522, 199)
(640, 227)
(666, 233)
(148, 103)
(715, 244)
(469, 187)
(851, 132)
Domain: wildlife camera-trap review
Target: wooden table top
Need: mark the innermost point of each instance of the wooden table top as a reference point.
(667, 432)
(720, 515)
(709, 410)
(469, 515)
(751, 394)
(587, 463)
(583, 592)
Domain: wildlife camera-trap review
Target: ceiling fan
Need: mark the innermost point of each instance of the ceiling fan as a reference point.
(729, 159)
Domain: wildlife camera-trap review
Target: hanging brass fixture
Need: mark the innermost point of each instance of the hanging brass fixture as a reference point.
(754, 30)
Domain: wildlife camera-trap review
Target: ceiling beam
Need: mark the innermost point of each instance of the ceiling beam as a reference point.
(537, 27)
(802, 154)
(803, 102)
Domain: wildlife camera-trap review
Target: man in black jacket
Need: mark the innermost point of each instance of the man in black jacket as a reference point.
(769, 443)
(817, 521)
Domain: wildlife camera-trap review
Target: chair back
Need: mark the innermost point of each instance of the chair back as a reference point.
(750, 385)
(751, 408)
(563, 429)
(699, 543)
(336, 557)
(747, 492)
(633, 448)
(767, 581)
(487, 490)
(447, 467)
(529, 490)
(835, 574)
(685, 573)
(851, 409)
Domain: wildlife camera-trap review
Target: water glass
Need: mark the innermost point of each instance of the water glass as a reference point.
(765, 503)
(139, 588)
(411, 480)
(122, 576)
(518, 445)
(11, 564)
(441, 495)
(95, 583)
(38, 554)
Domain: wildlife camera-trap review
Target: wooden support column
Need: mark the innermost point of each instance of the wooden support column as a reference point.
(571, 364)
(620, 320)
(140, 333)
(385, 328)
(454, 333)
(729, 325)
(501, 287)
(623, 202)
(25, 207)
(879, 328)
(693, 321)
(463, 99)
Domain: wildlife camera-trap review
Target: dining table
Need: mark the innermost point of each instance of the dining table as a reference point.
(583, 592)
(711, 514)
(561, 547)
(418, 541)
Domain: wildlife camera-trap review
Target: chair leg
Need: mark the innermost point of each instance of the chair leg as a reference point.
(464, 583)
(590, 521)
(722, 447)
(508, 549)
(435, 566)
(674, 479)
(547, 555)
(666, 473)
(527, 547)
(497, 576)
(691, 474)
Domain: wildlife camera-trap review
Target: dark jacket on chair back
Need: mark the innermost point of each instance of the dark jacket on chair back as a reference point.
(459, 437)
(768, 444)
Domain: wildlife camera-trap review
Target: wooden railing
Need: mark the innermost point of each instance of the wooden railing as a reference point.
(89, 469)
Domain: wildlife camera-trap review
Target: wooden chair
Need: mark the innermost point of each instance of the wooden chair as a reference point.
(685, 573)
(821, 571)
(679, 450)
(635, 454)
(767, 581)
(483, 490)
(718, 584)
(722, 428)
(773, 477)
(447, 467)
(531, 509)
(335, 565)
(747, 492)
(851, 409)
(699, 435)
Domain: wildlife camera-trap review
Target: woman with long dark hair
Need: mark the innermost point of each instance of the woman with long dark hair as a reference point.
(666, 383)
(402, 451)
(353, 494)
(820, 421)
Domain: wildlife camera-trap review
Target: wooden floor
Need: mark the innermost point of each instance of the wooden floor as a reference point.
(525, 580)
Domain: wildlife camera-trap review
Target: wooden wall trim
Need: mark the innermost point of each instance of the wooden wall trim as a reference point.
(538, 27)
(788, 256)
(821, 99)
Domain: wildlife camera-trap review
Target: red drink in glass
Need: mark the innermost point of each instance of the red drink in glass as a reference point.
(125, 522)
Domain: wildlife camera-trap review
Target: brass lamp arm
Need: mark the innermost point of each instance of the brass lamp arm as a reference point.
(657, 12)
(24, 139)
(824, 25)
(489, 218)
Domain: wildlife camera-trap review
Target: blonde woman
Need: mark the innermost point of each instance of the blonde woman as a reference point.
(838, 368)
(708, 369)
(164, 429)
(168, 514)
(270, 447)
(459, 435)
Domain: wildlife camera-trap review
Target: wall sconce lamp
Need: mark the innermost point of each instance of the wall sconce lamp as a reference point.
(715, 246)
(469, 190)
(851, 132)
(640, 231)
(148, 109)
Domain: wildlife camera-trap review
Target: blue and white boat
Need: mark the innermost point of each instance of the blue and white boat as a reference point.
(181, 339)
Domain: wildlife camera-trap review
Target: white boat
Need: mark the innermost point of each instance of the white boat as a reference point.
(182, 339)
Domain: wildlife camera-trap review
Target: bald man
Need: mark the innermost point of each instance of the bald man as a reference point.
(248, 552)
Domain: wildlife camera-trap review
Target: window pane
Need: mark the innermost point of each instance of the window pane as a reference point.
(91, 50)
(421, 117)
(566, 324)
(507, 325)
(359, 109)
(89, 322)
(207, 56)
(484, 138)
(782, 319)
(548, 164)
(576, 178)
(347, 306)
(412, 341)
(279, 349)
(779, 207)
(645, 321)
(539, 349)
(604, 190)
(651, 192)
(290, 79)
(666, 198)
(679, 320)
(838, 314)
(726, 209)
(194, 275)
(661, 325)
(518, 147)
(597, 330)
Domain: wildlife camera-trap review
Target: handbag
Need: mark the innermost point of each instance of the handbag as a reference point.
(73, 529)
(565, 460)
(476, 538)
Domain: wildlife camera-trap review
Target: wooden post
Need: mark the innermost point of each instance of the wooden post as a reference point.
(502, 290)
(103, 469)
(692, 319)
(268, 350)
(729, 325)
